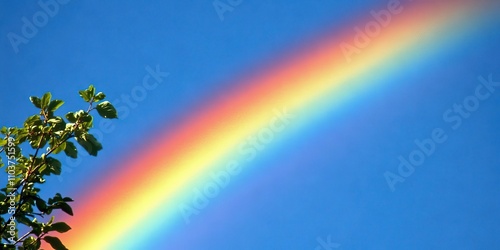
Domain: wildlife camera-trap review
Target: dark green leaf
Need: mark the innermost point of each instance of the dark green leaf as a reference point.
(70, 150)
(36, 101)
(24, 220)
(61, 227)
(55, 243)
(45, 100)
(18, 152)
(87, 121)
(55, 104)
(106, 110)
(41, 205)
(100, 96)
(66, 208)
(54, 165)
(71, 117)
(36, 227)
(50, 114)
(67, 199)
(58, 197)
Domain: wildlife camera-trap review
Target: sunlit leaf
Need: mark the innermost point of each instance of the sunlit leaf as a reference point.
(45, 100)
(36, 101)
(54, 105)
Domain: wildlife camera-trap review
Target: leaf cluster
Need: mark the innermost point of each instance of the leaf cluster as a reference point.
(48, 135)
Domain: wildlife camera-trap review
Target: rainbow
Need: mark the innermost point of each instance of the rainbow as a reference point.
(153, 190)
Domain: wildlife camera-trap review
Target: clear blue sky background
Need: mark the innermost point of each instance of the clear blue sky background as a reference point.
(451, 202)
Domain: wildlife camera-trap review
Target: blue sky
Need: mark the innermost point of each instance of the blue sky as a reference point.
(450, 202)
(110, 44)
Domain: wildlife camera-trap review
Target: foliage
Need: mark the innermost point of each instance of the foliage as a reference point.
(20, 202)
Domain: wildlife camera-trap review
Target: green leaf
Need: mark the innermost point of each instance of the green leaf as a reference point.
(34, 142)
(55, 242)
(87, 122)
(91, 90)
(46, 130)
(45, 100)
(29, 243)
(79, 113)
(100, 96)
(58, 197)
(66, 208)
(106, 110)
(71, 117)
(59, 149)
(36, 227)
(13, 130)
(70, 150)
(22, 136)
(36, 101)
(41, 205)
(17, 151)
(61, 227)
(24, 220)
(55, 120)
(54, 165)
(67, 199)
(89, 143)
(85, 95)
(55, 104)
(85, 117)
(32, 121)
(2, 142)
(57, 123)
